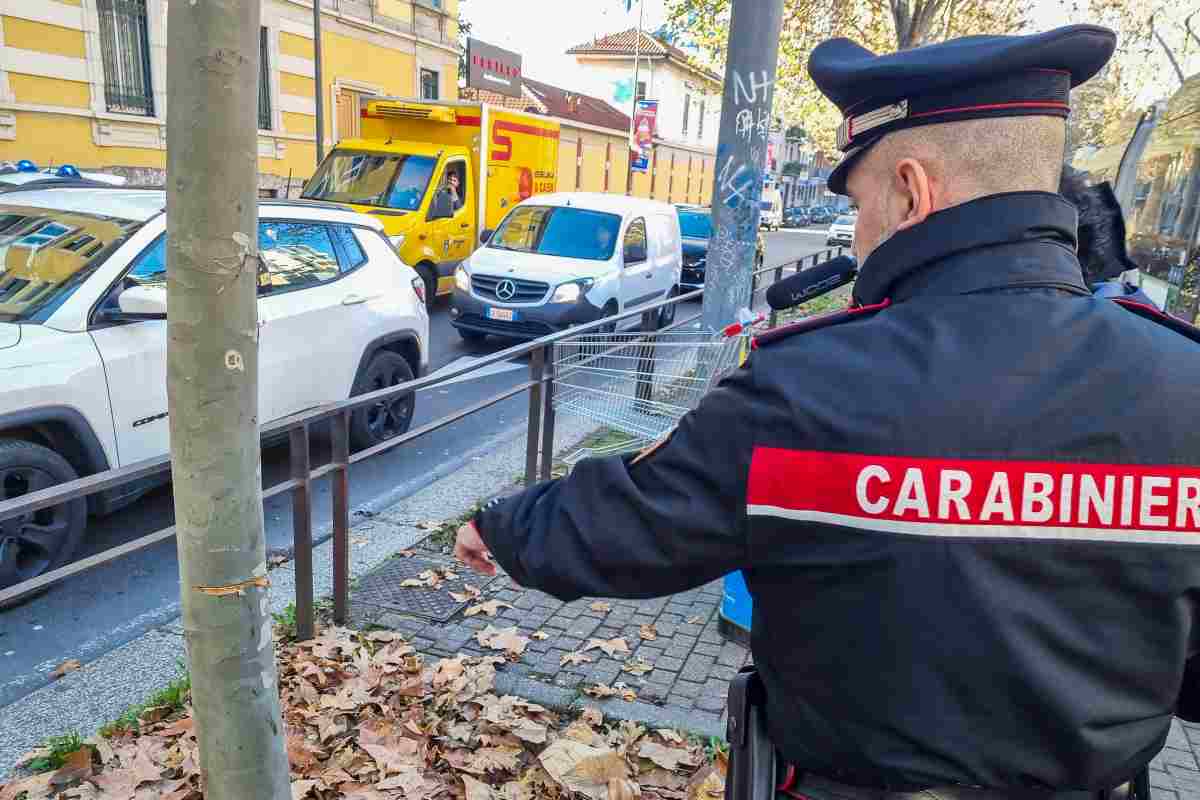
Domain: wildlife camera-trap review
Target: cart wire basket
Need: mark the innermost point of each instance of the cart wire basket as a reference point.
(640, 384)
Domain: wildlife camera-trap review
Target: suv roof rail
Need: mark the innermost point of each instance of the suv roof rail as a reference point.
(305, 202)
(51, 182)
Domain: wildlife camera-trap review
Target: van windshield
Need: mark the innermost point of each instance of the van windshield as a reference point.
(844, 220)
(695, 225)
(558, 231)
(372, 179)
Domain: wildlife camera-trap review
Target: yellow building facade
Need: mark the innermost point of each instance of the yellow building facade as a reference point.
(83, 82)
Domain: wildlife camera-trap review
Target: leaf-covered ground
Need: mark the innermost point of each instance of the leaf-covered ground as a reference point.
(367, 718)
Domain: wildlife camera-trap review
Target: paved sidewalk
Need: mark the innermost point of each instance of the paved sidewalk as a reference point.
(1174, 774)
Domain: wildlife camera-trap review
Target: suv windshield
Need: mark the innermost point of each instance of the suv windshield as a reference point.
(46, 254)
(372, 179)
(844, 220)
(558, 231)
(695, 225)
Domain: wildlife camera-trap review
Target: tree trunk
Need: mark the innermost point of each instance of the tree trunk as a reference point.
(212, 384)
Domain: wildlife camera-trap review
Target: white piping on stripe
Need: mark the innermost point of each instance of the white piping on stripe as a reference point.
(950, 530)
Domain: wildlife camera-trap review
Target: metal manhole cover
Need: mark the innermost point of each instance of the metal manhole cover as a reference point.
(383, 588)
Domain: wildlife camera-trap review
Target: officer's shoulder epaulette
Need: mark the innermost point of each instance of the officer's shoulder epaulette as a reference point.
(816, 323)
(1162, 318)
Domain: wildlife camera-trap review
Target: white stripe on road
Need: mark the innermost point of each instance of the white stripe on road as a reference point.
(499, 368)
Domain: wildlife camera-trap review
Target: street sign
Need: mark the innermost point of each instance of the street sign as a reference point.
(493, 69)
(640, 162)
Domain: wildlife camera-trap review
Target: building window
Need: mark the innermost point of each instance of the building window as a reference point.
(700, 124)
(687, 106)
(641, 90)
(125, 50)
(264, 82)
(429, 84)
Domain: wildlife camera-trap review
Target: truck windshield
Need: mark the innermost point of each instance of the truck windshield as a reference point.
(695, 225)
(46, 254)
(372, 179)
(558, 231)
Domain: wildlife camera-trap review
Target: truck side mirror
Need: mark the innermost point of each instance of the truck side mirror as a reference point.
(485, 235)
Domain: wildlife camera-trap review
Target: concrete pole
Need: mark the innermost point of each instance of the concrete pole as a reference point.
(212, 395)
(319, 91)
(753, 53)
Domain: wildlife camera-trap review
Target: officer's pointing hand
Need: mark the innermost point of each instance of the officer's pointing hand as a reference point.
(470, 549)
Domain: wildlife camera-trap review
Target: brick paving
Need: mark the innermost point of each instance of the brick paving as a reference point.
(1175, 773)
(692, 663)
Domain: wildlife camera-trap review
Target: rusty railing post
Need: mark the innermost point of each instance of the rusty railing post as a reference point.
(537, 363)
(302, 546)
(339, 430)
(548, 422)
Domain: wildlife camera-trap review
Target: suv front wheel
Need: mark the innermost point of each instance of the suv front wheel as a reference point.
(385, 419)
(43, 540)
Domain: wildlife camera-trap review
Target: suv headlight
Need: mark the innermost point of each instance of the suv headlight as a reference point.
(571, 292)
(397, 241)
(462, 280)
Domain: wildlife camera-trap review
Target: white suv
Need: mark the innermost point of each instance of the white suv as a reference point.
(565, 259)
(83, 341)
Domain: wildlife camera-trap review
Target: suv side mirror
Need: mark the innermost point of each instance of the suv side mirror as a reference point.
(142, 303)
(486, 235)
(442, 207)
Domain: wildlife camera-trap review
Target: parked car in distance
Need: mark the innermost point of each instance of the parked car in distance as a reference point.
(796, 218)
(841, 232)
(695, 223)
(83, 342)
(821, 215)
(771, 210)
(568, 258)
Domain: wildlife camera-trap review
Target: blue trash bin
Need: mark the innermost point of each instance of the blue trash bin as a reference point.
(737, 609)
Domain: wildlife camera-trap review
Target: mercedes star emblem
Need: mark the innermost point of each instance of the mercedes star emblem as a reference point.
(506, 290)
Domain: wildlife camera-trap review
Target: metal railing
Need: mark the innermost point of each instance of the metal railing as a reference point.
(539, 455)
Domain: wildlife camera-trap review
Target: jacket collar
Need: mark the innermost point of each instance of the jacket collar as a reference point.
(1014, 240)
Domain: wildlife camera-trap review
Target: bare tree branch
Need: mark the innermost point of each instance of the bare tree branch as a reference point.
(1166, 49)
(1187, 24)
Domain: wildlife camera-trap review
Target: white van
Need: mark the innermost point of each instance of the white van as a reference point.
(771, 210)
(569, 258)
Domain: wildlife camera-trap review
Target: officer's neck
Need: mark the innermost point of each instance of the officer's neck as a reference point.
(988, 233)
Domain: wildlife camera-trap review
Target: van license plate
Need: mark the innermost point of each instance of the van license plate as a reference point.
(503, 314)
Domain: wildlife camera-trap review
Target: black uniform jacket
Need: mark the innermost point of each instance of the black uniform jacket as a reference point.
(968, 513)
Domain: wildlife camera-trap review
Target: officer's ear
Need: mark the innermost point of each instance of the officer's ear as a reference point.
(916, 190)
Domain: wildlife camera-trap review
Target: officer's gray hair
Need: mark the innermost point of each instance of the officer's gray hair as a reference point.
(978, 157)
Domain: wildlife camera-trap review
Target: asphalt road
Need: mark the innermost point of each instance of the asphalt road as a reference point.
(96, 611)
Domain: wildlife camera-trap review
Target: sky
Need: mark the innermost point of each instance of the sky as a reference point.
(560, 24)
(542, 30)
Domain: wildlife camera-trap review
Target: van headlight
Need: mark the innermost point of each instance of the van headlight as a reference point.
(571, 292)
(462, 280)
(397, 241)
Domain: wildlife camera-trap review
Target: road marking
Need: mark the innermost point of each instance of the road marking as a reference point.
(499, 368)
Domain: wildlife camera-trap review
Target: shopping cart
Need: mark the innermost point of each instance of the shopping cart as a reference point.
(640, 384)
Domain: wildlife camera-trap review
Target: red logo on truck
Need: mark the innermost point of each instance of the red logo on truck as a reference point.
(502, 141)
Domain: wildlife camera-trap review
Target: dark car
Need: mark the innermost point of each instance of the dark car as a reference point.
(821, 215)
(796, 218)
(695, 229)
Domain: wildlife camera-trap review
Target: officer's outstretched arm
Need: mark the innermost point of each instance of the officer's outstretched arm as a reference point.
(638, 526)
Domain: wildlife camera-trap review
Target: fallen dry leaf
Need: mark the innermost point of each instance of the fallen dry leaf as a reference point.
(666, 757)
(575, 658)
(564, 756)
(636, 666)
(494, 759)
(304, 756)
(468, 593)
(541, 636)
(429, 525)
(491, 608)
(406, 553)
(301, 789)
(601, 606)
(410, 781)
(70, 665)
(611, 647)
(600, 768)
(506, 639)
(623, 789)
(707, 784)
(476, 790)
(695, 620)
(35, 787)
(412, 583)
(616, 690)
(276, 560)
(76, 766)
(154, 714)
(383, 636)
(592, 716)
(648, 632)
(668, 735)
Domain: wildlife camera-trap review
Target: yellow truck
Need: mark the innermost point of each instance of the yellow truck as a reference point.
(438, 175)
